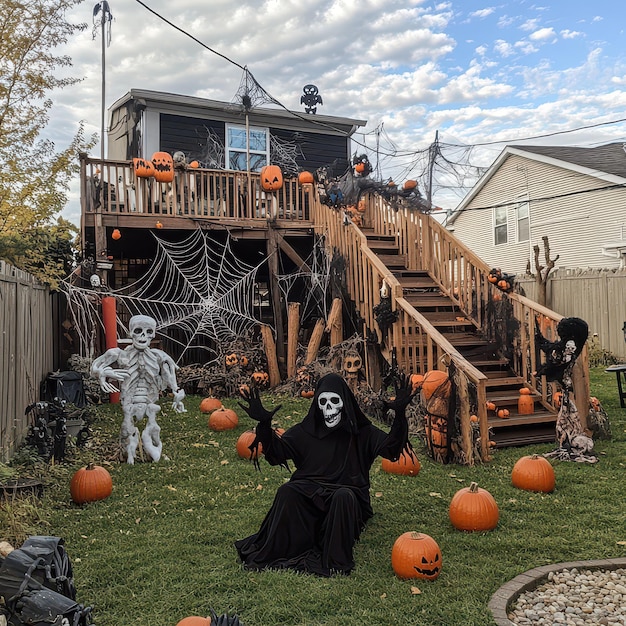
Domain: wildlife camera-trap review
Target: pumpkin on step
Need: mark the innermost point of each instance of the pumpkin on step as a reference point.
(525, 403)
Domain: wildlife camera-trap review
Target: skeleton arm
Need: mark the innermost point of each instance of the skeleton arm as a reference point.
(168, 374)
(101, 369)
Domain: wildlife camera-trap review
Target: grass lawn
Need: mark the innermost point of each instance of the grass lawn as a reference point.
(161, 546)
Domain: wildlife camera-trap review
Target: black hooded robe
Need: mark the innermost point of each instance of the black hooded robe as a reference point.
(317, 517)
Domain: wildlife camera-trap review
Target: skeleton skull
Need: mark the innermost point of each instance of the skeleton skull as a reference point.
(94, 279)
(331, 405)
(352, 363)
(142, 330)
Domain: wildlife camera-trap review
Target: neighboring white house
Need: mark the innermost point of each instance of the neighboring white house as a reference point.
(574, 196)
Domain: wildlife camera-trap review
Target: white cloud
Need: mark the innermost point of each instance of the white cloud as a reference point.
(543, 35)
(483, 12)
(571, 34)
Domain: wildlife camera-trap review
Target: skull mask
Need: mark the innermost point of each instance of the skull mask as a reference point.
(142, 330)
(331, 405)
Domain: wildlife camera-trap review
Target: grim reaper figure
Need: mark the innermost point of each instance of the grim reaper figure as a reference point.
(143, 372)
(318, 516)
(561, 355)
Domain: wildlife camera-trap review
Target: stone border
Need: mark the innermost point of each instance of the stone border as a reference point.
(506, 595)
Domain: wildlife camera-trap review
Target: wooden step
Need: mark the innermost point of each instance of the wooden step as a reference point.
(515, 420)
(509, 381)
(393, 260)
(382, 244)
(510, 437)
(430, 300)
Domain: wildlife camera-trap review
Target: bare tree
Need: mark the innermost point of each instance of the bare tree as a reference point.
(543, 271)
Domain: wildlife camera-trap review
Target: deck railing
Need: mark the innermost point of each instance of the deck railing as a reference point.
(460, 274)
(111, 187)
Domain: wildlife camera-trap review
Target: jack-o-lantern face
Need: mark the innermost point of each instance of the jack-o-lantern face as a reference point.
(271, 178)
(163, 167)
(231, 360)
(416, 555)
(260, 378)
(143, 168)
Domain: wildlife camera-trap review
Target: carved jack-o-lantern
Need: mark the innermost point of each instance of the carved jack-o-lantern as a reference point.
(416, 555)
(260, 378)
(143, 168)
(231, 360)
(271, 178)
(163, 167)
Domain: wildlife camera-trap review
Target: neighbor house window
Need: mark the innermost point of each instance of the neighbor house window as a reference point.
(500, 226)
(523, 220)
(241, 146)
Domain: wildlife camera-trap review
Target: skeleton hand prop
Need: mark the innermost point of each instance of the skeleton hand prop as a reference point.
(109, 372)
(177, 402)
(255, 409)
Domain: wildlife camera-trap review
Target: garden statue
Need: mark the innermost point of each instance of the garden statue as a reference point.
(143, 372)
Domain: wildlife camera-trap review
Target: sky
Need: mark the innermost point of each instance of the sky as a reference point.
(471, 76)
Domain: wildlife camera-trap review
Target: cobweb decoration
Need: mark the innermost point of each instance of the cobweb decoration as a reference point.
(285, 153)
(250, 93)
(316, 283)
(198, 292)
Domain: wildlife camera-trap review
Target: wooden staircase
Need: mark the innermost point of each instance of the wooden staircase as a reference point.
(502, 386)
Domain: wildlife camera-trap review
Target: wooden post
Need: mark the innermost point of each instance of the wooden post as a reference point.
(270, 353)
(293, 332)
(335, 323)
(315, 341)
(466, 426)
(109, 321)
(272, 262)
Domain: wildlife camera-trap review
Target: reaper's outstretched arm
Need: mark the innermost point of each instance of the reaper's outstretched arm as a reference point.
(398, 438)
(273, 448)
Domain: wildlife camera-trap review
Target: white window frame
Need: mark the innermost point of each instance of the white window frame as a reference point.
(251, 154)
(498, 224)
(523, 203)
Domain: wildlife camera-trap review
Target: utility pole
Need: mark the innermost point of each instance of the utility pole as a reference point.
(432, 156)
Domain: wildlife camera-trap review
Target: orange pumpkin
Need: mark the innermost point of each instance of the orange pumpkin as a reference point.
(307, 393)
(306, 178)
(194, 620)
(473, 509)
(260, 378)
(407, 465)
(223, 419)
(359, 168)
(525, 403)
(416, 381)
(194, 165)
(416, 555)
(116, 234)
(163, 167)
(491, 406)
(409, 185)
(244, 442)
(210, 404)
(533, 473)
(231, 360)
(436, 431)
(503, 413)
(436, 381)
(90, 484)
(143, 168)
(271, 178)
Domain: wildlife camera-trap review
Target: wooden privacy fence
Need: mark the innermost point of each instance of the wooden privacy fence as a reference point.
(596, 296)
(26, 351)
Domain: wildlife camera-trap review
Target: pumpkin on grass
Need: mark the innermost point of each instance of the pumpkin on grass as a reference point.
(210, 404)
(194, 620)
(473, 509)
(416, 555)
(407, 465)
(244, 442)
(533, 473)
(90, 484)
(223, 419)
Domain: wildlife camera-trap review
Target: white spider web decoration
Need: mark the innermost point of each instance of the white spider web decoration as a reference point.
(198, 292)
(317, 282)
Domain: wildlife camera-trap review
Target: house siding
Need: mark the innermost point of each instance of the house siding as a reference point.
(188, 134)
(563, 206)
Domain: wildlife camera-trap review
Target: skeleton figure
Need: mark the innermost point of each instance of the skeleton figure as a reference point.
(351, 365)
(143, 372)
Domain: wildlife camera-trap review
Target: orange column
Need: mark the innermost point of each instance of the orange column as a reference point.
(109, 319)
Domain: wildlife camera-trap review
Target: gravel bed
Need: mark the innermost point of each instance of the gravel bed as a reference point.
(574, 597)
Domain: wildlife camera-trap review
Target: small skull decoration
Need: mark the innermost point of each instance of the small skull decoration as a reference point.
(352, 363)
(331, 405)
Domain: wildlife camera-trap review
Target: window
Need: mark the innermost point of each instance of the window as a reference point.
(256, 143)
(500, 226)
(523, 220)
